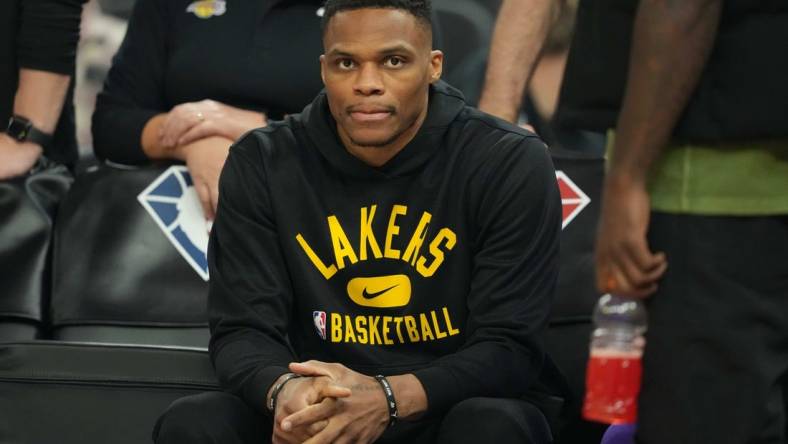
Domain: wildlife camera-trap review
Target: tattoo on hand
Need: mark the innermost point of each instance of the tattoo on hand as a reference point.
(364, 388)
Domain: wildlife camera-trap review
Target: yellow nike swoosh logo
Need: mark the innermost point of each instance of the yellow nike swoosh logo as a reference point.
(380, 291)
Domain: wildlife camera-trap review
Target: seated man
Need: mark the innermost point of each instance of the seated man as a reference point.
(387, 230)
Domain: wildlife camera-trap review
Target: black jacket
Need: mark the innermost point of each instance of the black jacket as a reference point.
(442, 262)
(742, 94)
(245, 55)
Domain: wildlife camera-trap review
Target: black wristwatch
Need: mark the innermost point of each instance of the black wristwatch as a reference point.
(22, 130)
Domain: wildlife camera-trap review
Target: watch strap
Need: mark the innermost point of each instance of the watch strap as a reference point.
(391, 403)
(30, 133)
(278, 388)
(37, 136)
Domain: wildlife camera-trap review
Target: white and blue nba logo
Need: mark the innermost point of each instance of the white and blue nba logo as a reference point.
(173, 204)
(319, 318)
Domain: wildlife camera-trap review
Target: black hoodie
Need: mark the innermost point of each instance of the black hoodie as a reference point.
(441, 263)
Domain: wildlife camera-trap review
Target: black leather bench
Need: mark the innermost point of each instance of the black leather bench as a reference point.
(78, 393)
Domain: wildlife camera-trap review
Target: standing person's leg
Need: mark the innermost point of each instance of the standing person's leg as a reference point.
(717, 345)
(212, 418)
(496, 420)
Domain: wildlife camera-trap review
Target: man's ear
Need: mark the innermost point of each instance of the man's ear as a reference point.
(436, 65)
(323, 68)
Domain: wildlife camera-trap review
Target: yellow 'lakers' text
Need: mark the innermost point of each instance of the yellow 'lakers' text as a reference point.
(390, 330)
(369, 246)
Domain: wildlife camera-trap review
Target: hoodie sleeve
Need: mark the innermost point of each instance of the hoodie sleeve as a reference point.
(134, 90)
(514, 274)
(49, 34)
(250, 295)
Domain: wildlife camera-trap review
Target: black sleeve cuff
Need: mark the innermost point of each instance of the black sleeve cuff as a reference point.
(49, 34)
(440, 386)
(117, 134)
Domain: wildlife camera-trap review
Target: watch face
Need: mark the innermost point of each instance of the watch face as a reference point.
(18, 128)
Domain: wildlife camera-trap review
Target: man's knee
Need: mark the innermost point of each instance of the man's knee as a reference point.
(211, 417)
(505, 420)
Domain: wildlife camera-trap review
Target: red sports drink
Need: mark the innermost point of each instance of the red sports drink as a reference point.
(614, 366)
(612, 386)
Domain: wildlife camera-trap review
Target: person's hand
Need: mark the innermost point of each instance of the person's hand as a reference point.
(297, 395)
(191, 121)
(362, 417)
(624, 263)
(205, 159)
(17, 158)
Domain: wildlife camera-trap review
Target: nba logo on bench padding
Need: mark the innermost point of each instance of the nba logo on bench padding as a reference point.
(573, 199)
(173, 204)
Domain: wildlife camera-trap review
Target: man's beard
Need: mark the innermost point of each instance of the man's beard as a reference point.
(380, 144)
(386, 142)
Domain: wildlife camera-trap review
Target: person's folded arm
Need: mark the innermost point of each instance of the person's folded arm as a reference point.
(45, 50)
(39, 98)
(514, 273)
(133, 93)
(250, 296)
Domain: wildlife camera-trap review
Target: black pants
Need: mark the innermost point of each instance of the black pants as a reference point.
(716, 359)
(217, 417)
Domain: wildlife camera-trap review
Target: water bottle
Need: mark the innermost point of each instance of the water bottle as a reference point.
(614, 365)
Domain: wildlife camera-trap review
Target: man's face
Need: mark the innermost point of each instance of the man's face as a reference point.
(377, 67)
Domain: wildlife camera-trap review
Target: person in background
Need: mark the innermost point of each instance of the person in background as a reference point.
(694, 210)
(38, 43)
(541, 98)
(695, 213)
(192, 76)
(521, 58)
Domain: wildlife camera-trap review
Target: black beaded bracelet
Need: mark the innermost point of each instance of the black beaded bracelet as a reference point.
(277, 388)
(390, 401)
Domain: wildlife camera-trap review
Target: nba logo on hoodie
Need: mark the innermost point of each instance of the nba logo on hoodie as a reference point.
(319, 318)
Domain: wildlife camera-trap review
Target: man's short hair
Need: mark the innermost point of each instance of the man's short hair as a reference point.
(420, 9)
